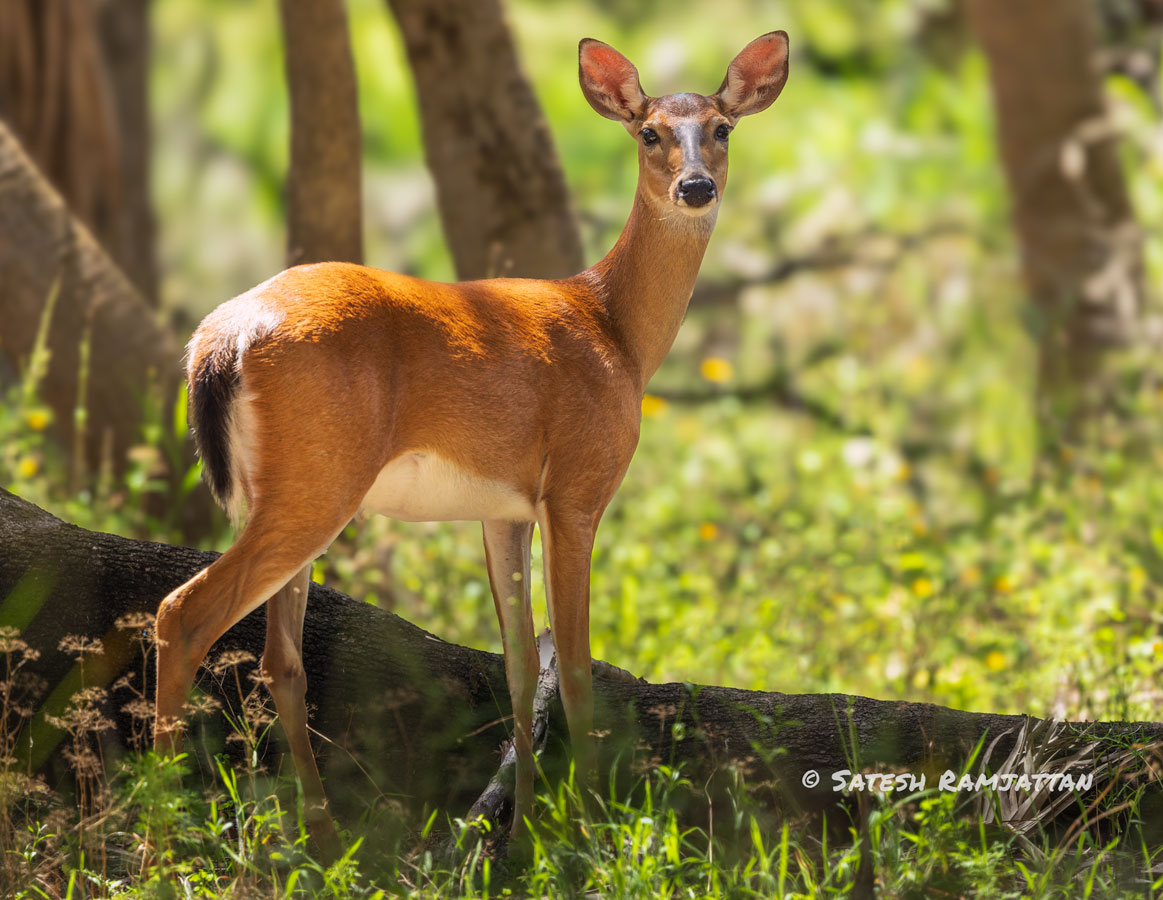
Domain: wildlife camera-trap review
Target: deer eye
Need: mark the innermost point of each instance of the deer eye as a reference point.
(723, 132)
(649, 136)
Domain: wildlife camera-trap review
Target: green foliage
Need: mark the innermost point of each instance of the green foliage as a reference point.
(35, 466)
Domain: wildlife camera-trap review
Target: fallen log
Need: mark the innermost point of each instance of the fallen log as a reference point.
(415, 721)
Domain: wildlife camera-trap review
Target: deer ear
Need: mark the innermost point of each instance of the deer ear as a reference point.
(609, 81)
(755, 77)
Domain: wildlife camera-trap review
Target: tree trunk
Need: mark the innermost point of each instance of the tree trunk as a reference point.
(133, 361)
(125, 37)
(423, 719)
(324, 219)
(1080, 246)
(55, 94)
(502, 196)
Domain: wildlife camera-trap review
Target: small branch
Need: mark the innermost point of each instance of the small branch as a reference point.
(710, 293)
(495, 804)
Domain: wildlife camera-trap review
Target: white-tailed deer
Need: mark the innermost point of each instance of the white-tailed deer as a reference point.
(333, 388)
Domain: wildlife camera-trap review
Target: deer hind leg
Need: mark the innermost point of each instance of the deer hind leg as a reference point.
(507, 551)
(265, 557)
(282, 666)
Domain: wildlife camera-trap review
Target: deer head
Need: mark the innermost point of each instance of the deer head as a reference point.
(683, 138)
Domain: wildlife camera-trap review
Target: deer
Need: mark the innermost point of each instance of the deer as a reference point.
(334, 389)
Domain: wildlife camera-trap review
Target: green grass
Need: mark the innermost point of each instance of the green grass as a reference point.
(149, 837)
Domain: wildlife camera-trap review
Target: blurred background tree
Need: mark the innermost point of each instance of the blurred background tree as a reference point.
(324, 207)
(73, 94)
(1080, 243)
(126, 43)
(500, 190)
(74, 89)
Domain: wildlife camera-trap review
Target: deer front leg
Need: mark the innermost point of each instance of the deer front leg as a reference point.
(507, 549)
(567, 541)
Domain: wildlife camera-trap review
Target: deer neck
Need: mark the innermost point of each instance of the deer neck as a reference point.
(647, 277)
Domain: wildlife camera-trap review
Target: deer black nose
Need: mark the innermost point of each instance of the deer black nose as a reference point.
(696, 191)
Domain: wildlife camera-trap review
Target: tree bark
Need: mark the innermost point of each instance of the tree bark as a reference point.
(1080, 245)
(125, 38)
(324, 219)
(55, 94)
(418, 720)
(133, 361)
(502, 196)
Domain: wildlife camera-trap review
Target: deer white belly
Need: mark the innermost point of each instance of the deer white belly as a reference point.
(424, 487)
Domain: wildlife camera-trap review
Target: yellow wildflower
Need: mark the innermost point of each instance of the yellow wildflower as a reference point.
(923, 588)
(971, 576)
(995, 660)
(718, 370)
(28, 467)
(653, 407)
(917, 368)
(708, 531)
(37, 419)
(1004, 584)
